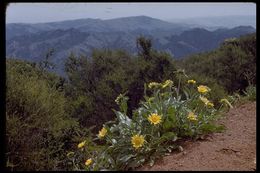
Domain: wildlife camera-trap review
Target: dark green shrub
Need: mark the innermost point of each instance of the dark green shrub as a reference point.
(37, 128)
(233, 65)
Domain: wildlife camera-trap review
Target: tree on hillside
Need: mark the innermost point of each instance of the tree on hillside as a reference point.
(95, 82)
(46, 63)
(233, 65)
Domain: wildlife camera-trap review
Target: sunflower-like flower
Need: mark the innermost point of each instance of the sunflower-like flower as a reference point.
(154, 85)
(203, 89)
(191, 81)
(192, 117)
(102, 132)
(88, 162)
(82, 144)
(137, 141)
(167, 83)
(155, 119)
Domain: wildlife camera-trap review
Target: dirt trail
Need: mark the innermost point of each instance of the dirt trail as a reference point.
(235, 149)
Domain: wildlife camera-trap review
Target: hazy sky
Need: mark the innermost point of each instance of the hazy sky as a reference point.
(48, 12)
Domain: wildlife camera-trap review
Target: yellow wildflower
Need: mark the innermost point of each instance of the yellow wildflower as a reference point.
(154, 85)
(137, 141)
(82, 144)
(203, 89)
(192, 117)
(191, 81)
(155, 119)
(88, 162)
(102, 132)
(167, 83)
(206, 101)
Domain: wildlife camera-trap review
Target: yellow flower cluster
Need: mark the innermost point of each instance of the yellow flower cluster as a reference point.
(167, 83)
(137, 141)
(192, 117)
(155, 119)
(102, 132)
(203, 89)
(82, 144)
(88, 162)
(191, 81)
(206, 101)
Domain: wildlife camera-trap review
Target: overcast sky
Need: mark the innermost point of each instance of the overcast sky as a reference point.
(49, 12)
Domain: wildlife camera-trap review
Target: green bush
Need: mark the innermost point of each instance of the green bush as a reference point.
(232, 65)
(37, 128)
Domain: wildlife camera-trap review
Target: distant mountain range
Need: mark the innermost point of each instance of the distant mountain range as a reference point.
(32, 41)
(215, 22)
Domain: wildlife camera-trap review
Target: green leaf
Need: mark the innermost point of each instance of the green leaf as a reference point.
(122, 118)
(169, 135)
(166, 137)
(126, 158)
(113, 141)
(167, 124)
(171, 113)
(151, 163)
(135, 163)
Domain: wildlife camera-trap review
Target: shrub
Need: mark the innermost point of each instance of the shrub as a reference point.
(232, 65)
(250, 93)
(162, 119)
(37, 128)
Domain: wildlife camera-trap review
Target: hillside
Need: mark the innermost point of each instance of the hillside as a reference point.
(96, 25)
(82, 36)
(215, 22)
(200, 40)
(118, 111)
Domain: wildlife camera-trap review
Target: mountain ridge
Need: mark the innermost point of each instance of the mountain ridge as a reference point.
(31, 42)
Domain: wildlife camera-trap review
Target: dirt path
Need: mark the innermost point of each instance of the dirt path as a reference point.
(235, 149)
